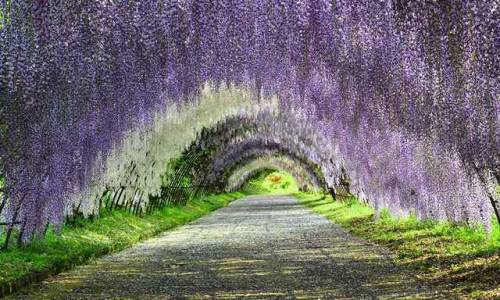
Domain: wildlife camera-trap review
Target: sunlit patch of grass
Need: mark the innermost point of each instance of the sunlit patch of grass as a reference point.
(112, 231)
(272, 182)
(462, 257)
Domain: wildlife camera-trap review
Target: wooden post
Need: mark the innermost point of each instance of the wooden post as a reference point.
(3, 201)
(21, 233)
(490, 182)
(115, 202)
(11, 226)
(129, 206)
(333, 193)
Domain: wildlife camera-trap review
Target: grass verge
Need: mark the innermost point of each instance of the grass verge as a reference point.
(464, 259)
(112, 231)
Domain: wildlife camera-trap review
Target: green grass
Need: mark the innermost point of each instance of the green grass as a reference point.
(112, 231)
(272, 182)
(463, 258)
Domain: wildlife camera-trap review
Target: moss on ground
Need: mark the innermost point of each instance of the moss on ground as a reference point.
(111, 232)
(464, 258)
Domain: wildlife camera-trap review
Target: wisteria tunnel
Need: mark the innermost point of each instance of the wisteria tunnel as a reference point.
(141, 105)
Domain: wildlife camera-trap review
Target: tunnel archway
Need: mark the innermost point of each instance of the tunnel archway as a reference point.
(271, 181)
(257, 165)
(361, 84)
(228, 159)
(240, 139)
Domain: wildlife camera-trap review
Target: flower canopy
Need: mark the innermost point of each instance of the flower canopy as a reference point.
(397, 97)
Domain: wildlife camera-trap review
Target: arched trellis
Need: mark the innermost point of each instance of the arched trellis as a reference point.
(76, 76)
(257, 165)
(337, 175)
(229, 158)
(388, 76)
(243, 131)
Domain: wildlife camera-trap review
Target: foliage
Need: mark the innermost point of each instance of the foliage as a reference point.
(306, 180)
(464, 258)
(271, 182)
(4, 13)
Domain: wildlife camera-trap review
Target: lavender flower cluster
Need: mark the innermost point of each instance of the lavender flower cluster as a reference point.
(397, 97)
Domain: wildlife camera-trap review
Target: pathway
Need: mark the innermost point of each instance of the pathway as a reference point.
(259, 247)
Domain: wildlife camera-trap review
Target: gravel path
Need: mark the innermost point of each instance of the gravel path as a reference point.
(259, 247)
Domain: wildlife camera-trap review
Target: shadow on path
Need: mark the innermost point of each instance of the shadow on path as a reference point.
(262, 247)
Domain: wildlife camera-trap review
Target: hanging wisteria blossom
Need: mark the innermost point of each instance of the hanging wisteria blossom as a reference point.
(394, 100)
